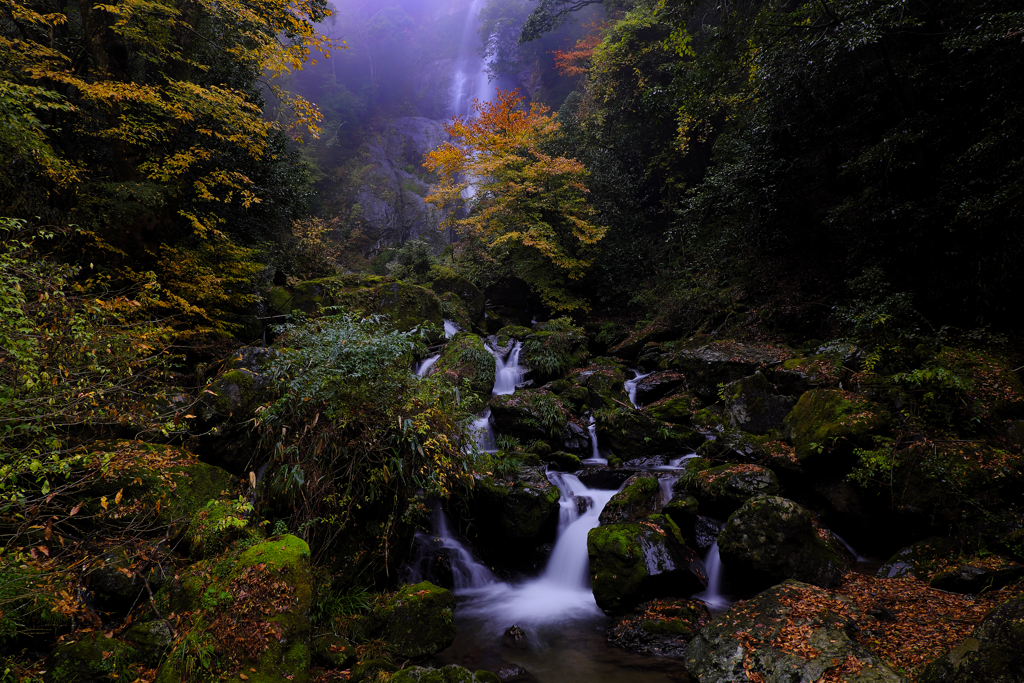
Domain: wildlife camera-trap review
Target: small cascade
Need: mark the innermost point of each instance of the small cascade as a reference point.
(630, 386)
(707, 531)
(595, 453)
(450, 329)
(508, 373)
(424, 367)
(443, 552)
(469, 80)
(483, 431)
(856, 555)
(562, 592)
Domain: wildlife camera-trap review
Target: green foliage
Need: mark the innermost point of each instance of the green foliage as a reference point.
(195, 653)
(558, 346)
(412, 261)
(877, 464)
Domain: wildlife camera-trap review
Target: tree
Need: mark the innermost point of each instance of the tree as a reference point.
(528, 207)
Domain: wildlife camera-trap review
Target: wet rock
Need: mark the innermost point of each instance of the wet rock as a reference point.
(524, 508)
(566, 462)
(919, 560)
(658, 385)
(637, 500)
(661, 628)
(722, 490)
(151, 639)
(93, 657)
(754, 405)
(827, 424)
(510, 673)
(514, 636)
(333, 651)
(576, 437)
(971, 579)
(597, 477)
(446, 674)
(466, 359)
(605, 388)
(733, 446)
(771, 539)
(417, 621)
(632, 434)
(583, 503)
(531, 414)
(721, 362)
(677, 408)
(682, 509)
(635, 561)
(993, 653)
(741, 645)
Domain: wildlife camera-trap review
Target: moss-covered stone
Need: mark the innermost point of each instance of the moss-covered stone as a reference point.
(683, 510)
(444, 280)
(554, 348)
(744, 644)
(678, 408)
(566, 462)
(407, 305)
(446, 674)
(708, 365)
(216, 526)
(722, 490)
(734, 446)
(92, 657)
(826, 424)
(418, 620)
(466, 359)
(992, 654)
(661, 628)
(659, 385)
(604, 386)
(454, 309)
(754, 405)
(30, 600)
(151, 639)
(632, 562)
(522, 508)
(771, 539)
(639, 498)
(333, 651)
(631, 434)
(531, 414)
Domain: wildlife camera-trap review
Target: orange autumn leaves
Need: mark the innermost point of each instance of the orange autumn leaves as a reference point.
(529, 207)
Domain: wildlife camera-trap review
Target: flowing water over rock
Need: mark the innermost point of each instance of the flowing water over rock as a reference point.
(469, 80)
(484, 432)
(450, 329)
(508, 373)
(630, 386)
(595, 452)
(425, 366)
(717, 602)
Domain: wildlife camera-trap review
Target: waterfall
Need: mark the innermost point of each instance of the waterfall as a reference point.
(857, 556)
(595, 453)
(425, 366)
(450, 329)
(466, 570)
(713, 596)
(508, 373)
(630, 386)
(469, 79)
(483, 431)
(562, 592)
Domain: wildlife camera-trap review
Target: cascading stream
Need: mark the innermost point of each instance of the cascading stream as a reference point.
(508, 373)
(630, 386)
(469, 79)
(595, 452)
(425, 366)
(716, 600)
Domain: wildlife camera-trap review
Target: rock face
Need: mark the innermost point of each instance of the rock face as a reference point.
(657, 386)
(637, 500)
(919, 560)
(770, 539)
(523, 509)
(738, 646)
(530, 414)
(970, 579)
(632, 434)
(755, 406)
(717, 363)
(418, 621)
(722, 490)
(826, 424)
(465, 358)
(992, 654)
(660, 627)
(636, 561)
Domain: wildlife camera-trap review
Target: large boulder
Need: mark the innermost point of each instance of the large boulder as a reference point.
(827, 424)
(635, 561)
(771, 539)
(417, 621)
(631, 434)
(720, 362)
(722, 490)
(554, 348)
(662, 628)
(920, 560)
(977, 579)
(523, 508)
(658, 385)
(639, 498)
(465, 358)
(445, 280)
(792, 633)
(754, 405)
(993, 653)
(531, 414)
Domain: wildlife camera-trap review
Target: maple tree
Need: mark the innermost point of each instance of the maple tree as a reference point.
(529, 207)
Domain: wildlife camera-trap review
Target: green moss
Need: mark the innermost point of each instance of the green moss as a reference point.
(519, 510)
(466, 359)
(417, 620)
(92, 656)
(28, 602)
(832, 420)
(634, 502)
(555, 348)
(447, 281)
(677, 409)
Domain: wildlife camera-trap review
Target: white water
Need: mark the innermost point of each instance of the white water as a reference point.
(595, 453)
(713, 596)
(450, 329)
(630, 386)
(467, 571)
(856, 555)
(508, 373)
(483, 432)
(425, 366)
(562, 592)
(469, 80)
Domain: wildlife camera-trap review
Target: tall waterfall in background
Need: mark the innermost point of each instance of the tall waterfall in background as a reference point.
(469, 79)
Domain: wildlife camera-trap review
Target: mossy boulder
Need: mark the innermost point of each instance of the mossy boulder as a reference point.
(30, 600)
(635, 561)
(683, 510)
(639, 498)
(255, 605)
(553, 348)
(734, 446)
(117, 580)
(407, 305)
(566, 462)
(216, 526)
(658, 385)
(770, 539)
(604, 386)
(466, 359)
(151, 640)
(446, 674)
(662, 628)
(975, 579)
(722, 490)
(631, 434)
(444, 280)
(920, 560)
(754, 405)
(334, 651)
(454, 309)
(827, 424)
(531, 414)
(798, 375)
(92, 657)
(678, 408)
(521, 508)
(992, 654)
(745, 643)
(417, 620)
(706, 366)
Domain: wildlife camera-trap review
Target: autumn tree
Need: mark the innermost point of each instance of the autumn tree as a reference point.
(527, 206)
